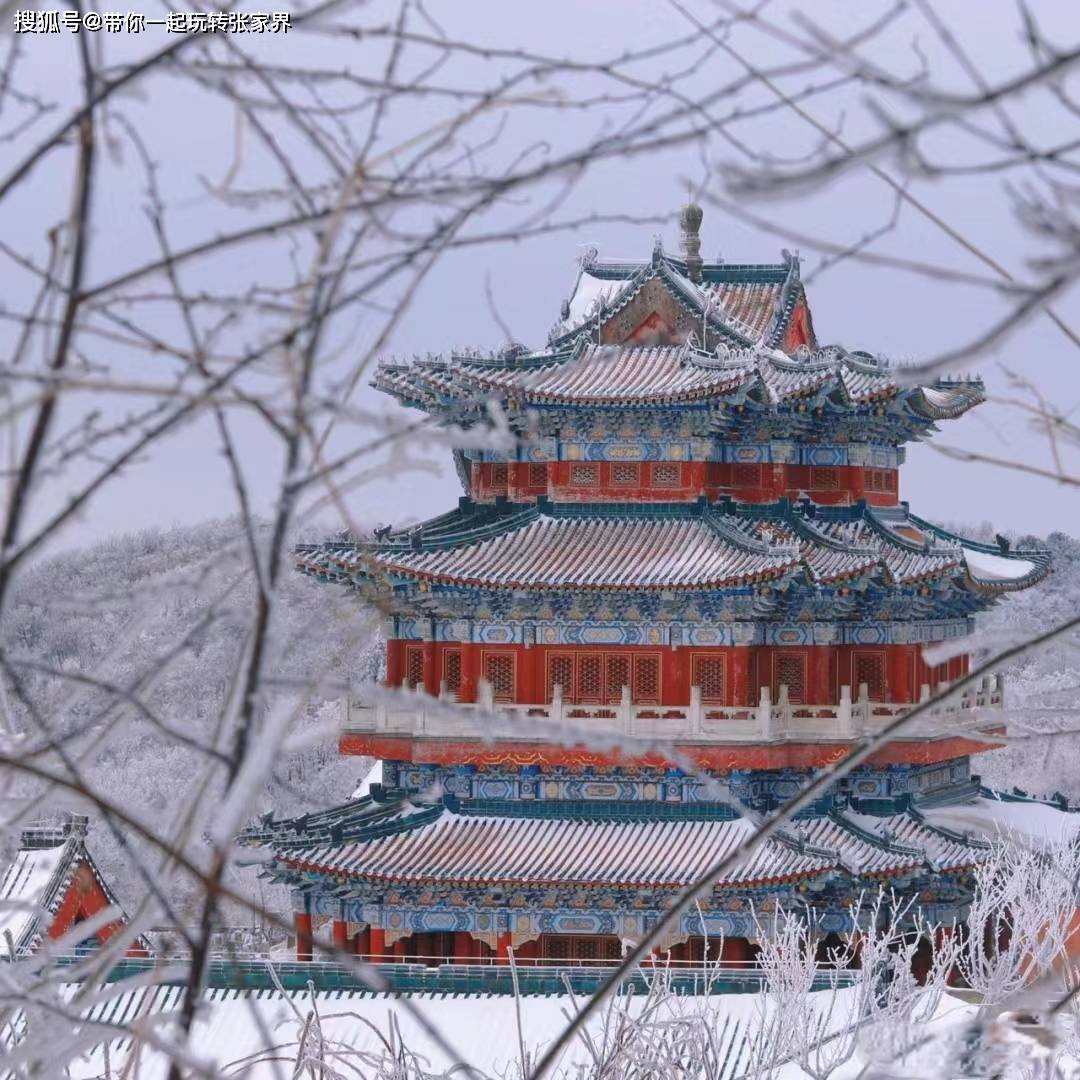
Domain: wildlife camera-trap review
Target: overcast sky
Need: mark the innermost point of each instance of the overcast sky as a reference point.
(904, 316)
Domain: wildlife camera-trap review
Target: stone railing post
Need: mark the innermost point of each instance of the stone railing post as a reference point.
(764, 712)
(863, 708)
(845, 720)
(485, 699)
(626, 712)
(695, 716)
(924, 693)
(556, 704)
(782, 712)
(999, 680)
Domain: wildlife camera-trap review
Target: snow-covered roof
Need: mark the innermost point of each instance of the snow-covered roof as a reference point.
(31, 880)
(471, 844)
(51, 860)
(1001, 818)
(674, 547)
(984, 566)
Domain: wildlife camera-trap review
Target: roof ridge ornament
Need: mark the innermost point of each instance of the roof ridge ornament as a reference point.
(690, 223)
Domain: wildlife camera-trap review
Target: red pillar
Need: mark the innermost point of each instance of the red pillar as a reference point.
(395, 650)
(735, 950)
(341, 934)
(470, 661)
(377, 943)
(502, 949)
(304, 939)
(526, 684)
(431, 668)
(463, 946)
(669, 676)
(399, 949)
(777, 479)
(820, 683)
(675, 677)
(857, 483)
(900, 673)
(740, 675)
(362, 942)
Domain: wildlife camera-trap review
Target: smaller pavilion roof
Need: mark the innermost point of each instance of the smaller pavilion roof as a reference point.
(39, 877)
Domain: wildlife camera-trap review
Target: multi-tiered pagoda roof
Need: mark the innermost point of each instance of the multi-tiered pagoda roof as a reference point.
(576, 547)
(597, 376)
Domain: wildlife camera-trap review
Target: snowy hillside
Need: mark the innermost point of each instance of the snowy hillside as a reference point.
(1049, 679)
(160, 614)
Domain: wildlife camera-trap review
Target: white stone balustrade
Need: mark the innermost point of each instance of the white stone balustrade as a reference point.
(697, 722)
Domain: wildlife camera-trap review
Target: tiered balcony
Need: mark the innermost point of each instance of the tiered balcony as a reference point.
(417, 727)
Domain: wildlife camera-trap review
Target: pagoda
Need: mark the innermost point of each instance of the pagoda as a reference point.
(685, 584)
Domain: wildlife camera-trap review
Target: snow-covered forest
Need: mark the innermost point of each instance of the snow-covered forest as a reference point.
(103, 616)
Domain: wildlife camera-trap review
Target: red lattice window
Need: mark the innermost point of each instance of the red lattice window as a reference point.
(451, 671)
(586, 948)
(707, 672)
(499, 671)
(499, 475)
(625, 474)
(790, 670)
(537, 476)
(590, 678)
(666, 474)
(647, 679)
(585, 474)
(580, 947)
(880, 480)
(747, 476)
(824, 479)
(555, 947)
(617, 676)
(560, 671)
(869, 668)
(414, 667)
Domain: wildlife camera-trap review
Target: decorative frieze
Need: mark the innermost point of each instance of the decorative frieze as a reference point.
(645, 445)
(692, 793)
(673, 632)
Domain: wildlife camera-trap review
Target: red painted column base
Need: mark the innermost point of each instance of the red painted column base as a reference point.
(502, 949)
(362, 942)
(463, 946)
(304, 938)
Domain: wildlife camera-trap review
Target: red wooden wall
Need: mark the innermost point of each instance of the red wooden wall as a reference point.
(662, 675)
(679, 481)
(84, 899)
